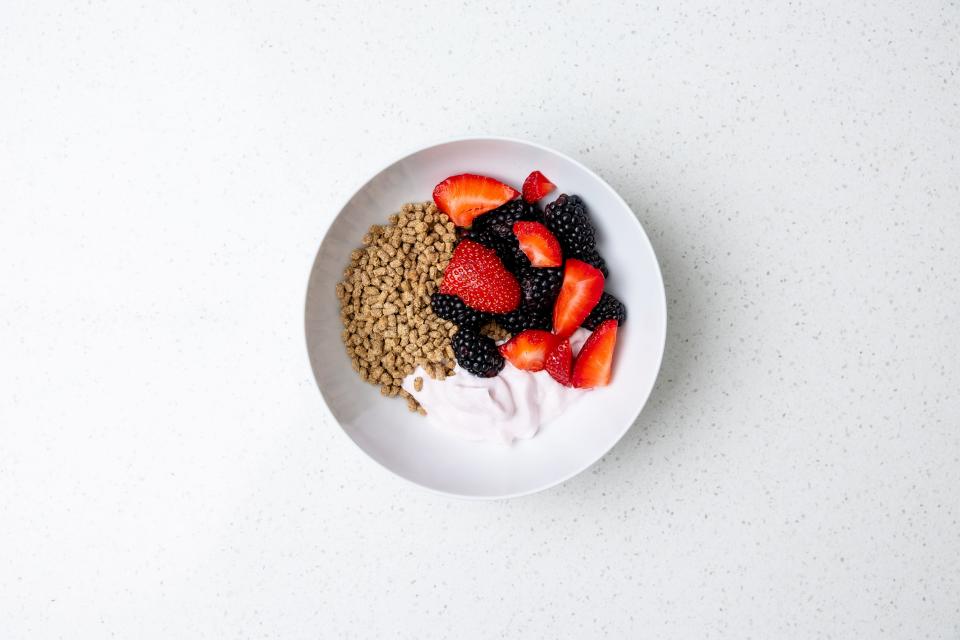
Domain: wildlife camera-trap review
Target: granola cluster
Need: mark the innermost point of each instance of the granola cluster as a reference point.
(388, 326)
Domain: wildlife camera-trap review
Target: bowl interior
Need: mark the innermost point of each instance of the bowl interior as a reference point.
(406, 443)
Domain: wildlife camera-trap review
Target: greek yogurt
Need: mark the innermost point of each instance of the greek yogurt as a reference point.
(512, 405)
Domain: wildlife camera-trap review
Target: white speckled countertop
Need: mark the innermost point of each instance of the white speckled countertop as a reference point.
(167, 466)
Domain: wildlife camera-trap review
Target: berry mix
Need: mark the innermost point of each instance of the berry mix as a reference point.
(514, 267)
(538, 274)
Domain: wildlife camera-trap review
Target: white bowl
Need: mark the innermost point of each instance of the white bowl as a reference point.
(406, 443)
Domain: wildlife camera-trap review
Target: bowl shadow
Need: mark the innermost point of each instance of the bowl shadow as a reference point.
(684, 324)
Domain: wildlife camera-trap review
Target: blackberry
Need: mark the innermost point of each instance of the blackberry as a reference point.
(486, 237)
(593, 258)
(500, 238)
(539, 286)
(525, 318)
(608, 308)
(494, 229)
(513, 256)
(476, 353)
(567, 219)
(502, 218)
(452, 308)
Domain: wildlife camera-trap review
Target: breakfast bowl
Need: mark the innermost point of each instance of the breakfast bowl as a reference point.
(406, 443)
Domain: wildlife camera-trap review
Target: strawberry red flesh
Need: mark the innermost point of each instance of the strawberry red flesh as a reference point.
(536, 186)
(559, 363)
(539, 245)
(476, 274)
(528, 349)
(465, 196)
(595, 360)
(581, 289)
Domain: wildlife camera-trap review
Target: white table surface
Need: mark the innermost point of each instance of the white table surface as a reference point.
(168, 468)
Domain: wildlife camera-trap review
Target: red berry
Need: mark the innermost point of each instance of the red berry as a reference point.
(476, 274)
(581, 289)
(464, 197)
(595, 360)
(539, 245)
(528, 349)
(536, 186)
(559, 363)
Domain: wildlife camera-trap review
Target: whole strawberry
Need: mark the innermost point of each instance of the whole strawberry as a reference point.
(477, 275)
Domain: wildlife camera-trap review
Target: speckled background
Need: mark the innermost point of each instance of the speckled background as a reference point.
(168, 469)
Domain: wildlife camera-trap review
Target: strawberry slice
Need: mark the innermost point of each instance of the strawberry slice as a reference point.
(595, 360)
(528, 349)
(465, 196)
(536, 186)
(476, 274)
(581, 289)
(559, 363)
(539, 245)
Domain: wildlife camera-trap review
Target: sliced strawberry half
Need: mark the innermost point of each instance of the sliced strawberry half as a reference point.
(536, 186)
(465, 196)
(559, 362)
(581, 289)
(528, 349)
(595, 360)
(540, 246)
(476, 274)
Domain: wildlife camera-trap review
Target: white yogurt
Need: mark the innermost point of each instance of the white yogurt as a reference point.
(513, 404)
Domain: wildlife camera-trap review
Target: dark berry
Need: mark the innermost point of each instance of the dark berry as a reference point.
(525, 318)
(608, 308)
(568, 220)
(486, 237)
(452, 308)
(539, 286)
(500, 238)
(594, 259)
(476, 353)
(502, 218)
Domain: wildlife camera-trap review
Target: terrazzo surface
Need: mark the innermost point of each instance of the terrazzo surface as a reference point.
(168, 468)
